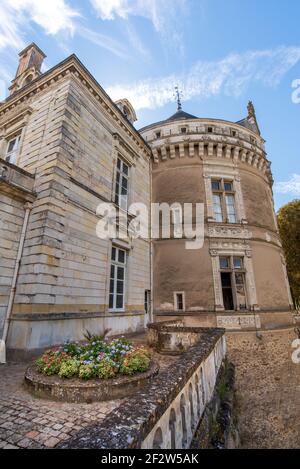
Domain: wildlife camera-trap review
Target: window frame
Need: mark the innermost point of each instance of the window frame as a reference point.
(233, 271)
(176, 293)
(17, 137)
(223, 195)
(118, 196)
(117, 265)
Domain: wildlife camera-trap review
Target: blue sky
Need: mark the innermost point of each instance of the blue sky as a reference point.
(220, 53)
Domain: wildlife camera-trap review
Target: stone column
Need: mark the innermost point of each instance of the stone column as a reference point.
(219, 304)
(250, 281)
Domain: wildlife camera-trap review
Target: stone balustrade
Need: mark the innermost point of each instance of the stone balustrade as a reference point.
(167, 411)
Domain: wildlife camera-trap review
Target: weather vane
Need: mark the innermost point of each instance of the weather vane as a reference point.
(178, 96)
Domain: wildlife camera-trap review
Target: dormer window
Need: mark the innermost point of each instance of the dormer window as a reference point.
(158, 134)
(12, 149)
(183, 130)
(233, 133)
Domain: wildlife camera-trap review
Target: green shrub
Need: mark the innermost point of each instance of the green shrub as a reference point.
(136, 361)
(50, 362)
(97, 358)
(68, 369)
(86, 371)
(106, 369)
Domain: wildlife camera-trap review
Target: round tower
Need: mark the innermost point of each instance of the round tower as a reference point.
(238, 278)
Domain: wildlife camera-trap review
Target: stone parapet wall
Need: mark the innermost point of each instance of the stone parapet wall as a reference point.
(169, 408)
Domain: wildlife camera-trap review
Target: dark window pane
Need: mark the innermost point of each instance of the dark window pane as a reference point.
(11, 145)
(119, 163)
(215, 185)
(179, 301)
(113, 254)
(124, 183)
(224, 262)
(125, 169)
(228, 186)
(111, 286)
(120, 274)
(239, 279)
(111, 301)
(237, 262)
(121, 256)
(112, 271)
(120, 286)
(119, 303)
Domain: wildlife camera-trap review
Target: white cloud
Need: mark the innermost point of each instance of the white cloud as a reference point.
(289, 187)
(230, 75)
(103, 41)
(53, 16)
(165, 16)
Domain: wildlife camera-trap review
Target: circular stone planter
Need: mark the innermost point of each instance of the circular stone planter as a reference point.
(76, 390)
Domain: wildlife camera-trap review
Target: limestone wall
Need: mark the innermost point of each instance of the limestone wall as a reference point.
(71, 142)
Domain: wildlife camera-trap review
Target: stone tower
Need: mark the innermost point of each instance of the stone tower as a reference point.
(30, 63)
(238, 279)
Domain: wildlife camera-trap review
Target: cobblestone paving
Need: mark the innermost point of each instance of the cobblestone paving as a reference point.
(28, 422)
(268, 385)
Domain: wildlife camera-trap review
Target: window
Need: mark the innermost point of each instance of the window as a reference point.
(209, 130)
(122, 184)
(183, 130)
(230, 208)
(238, 262)
(158, 134)
(217, 202)
(12, 149)
(224, 262)
(117, 279)
(233, 133)
(223, 201)
(233, 282)
(228, 186)
(177, 222)
(216, 185)
(147, 301)
(179, 301)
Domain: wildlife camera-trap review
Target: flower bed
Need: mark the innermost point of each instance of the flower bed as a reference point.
(98, 358)
(94, 371)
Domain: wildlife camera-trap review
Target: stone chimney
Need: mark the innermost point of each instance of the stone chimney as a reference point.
(30, 62)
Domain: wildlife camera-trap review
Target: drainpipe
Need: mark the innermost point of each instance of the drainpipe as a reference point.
(3, 340)
(151, 249)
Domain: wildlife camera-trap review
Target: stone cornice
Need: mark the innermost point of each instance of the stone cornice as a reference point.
(201, 120)
(73, 66)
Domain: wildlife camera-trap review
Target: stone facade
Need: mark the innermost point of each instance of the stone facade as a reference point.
(224, 166)
(70, 137)
(63, 149)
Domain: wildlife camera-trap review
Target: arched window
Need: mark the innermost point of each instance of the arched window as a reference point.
(172, 423)
(158, 439)
(202, 386)
(183, 421)
(197, 386)
(28, 80)
(191, 405)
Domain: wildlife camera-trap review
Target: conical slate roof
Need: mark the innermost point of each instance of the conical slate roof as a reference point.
(180, 114)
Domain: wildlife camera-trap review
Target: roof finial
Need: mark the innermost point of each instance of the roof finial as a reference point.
(251, 110)
(178, 95)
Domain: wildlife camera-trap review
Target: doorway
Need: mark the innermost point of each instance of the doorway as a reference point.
(227, 291)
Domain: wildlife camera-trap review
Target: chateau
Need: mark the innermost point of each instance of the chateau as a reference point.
(65, 148)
